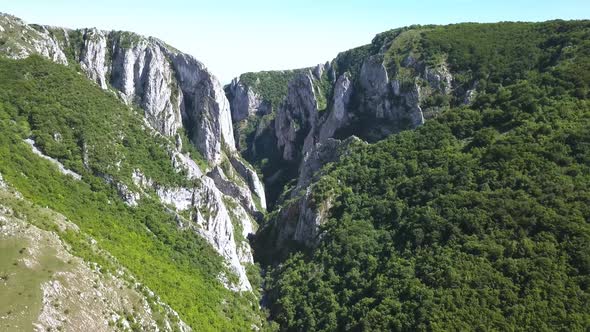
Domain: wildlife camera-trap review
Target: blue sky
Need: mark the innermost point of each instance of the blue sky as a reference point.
(232, 37)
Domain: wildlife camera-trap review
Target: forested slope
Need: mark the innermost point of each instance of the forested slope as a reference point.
(477, 220)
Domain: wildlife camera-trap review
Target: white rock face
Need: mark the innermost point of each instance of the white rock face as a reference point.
(243, 248)
(180, 198)
(378, 92)
(142, 73)
(300, 218)
(233, 189)
(338, 116)
(252, 179)
(320, 69)
(93, 57)
(172, 88)
(245, 102)
(439, 78)
(128, 196)
(49, 47)
(184, 162)
(140, 180)
(205, 107)
(214, 222)
(297, 116)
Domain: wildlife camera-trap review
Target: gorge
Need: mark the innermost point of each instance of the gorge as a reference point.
(434, 178)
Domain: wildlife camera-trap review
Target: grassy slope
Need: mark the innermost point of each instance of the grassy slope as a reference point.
(34, 258)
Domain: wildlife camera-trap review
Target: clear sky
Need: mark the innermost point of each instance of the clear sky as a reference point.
(236, 36)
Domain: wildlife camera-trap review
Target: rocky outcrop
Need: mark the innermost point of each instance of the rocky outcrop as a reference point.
(326, 68)
(297, 222)
(252, 179)
(379, 93)
(211, 218)
(310, 215)
(175, 91)
(3, 184)
(204, 108)
(324, 152)
(93, 58)
(233, 189)
(183, 162)
(62, 169)
(78, 294)
(172, 87)
(180, 198)
(297, 116)
(374, 79)
(439, 78)
(129, 197)
(31, 40)
(339, 115)
(142, 73)
(244, 102)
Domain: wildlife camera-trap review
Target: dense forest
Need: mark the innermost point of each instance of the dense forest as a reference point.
(477, 220)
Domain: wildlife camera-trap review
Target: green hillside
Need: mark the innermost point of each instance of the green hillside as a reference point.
(477, 220)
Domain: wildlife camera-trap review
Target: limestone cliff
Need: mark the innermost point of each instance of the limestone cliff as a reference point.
(170, 86)
(178, 95)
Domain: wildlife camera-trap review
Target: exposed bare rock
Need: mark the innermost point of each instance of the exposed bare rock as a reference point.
(140, 180)
(31, 41)
(142, 73)
(205, 107)
(128, 196)
(233, 189)
(174, 90)
(183, 162)
(374, 78)
(252, 179)
(75, 294)
(213, 221)
(180, 198)
(326, 68)
(93, 57)
(378, 93)
(170, 86)
(439, 78)
(338, 116)
(324, 152)
(297, 116)
(248, 228)
(245, 102)
(299, 219)
(470, 94)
